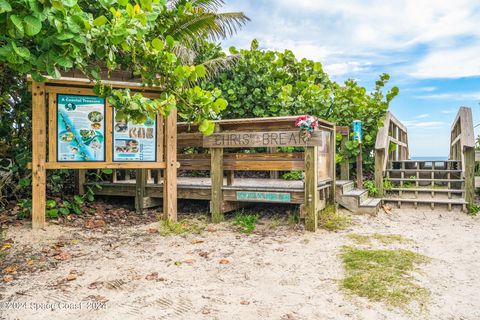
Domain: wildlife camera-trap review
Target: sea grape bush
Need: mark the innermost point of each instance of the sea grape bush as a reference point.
(44, 37)
(268, 83)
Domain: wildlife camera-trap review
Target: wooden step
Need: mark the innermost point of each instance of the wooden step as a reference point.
(426, 180)
(432, 202)
(420, 189)
(425, 170)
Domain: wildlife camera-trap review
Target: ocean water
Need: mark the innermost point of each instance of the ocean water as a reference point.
(429, 158)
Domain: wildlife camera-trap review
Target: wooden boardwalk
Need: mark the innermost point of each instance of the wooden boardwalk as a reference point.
(199, 188)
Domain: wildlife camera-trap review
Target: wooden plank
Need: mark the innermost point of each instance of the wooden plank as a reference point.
(80, 180)
(160, 139)
(63, 81)
(343, 130)
(379, 161)
(52, 128)
(105, 165)
(469, 169)
(170, 175)
(39, 143)
(333, 186)
(477, 182)
(345, 165)
(89, 91)
(289, 138)
(140, 184)
(108, 133)
(216, 176)
(311, 193)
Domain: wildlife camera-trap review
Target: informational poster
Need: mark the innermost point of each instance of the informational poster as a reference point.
(134, 142)
(80, 128)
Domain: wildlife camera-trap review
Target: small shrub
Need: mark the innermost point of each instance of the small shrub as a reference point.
(371, 188)
(245, 223)
(293, 218)
(387, 183)
(330, 219)
(185, 226)
(293, 175)
(473, 209)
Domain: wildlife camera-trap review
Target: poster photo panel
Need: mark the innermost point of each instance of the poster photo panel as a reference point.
(80, 128)
(134, 141)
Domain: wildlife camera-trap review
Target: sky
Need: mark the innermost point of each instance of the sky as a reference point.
(431, 49)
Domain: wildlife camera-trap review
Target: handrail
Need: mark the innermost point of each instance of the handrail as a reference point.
(461, 135)
(392, 132)
(462, 148)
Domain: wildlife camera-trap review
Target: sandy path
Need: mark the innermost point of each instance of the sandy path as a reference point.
(283, 274)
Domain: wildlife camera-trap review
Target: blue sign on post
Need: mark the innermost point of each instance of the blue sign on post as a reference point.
(357, 131)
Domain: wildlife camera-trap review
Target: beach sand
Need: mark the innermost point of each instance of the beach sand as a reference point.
(276, 273)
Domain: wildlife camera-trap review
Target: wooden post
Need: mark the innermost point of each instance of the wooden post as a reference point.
(80, 179)
(170, 176)
(216, 176)
(345, 165)
(140, 184)
(39, 145)
(360, 168)
(311, 191)
(333, 151)
(273, 174)
(469, 158)
(379, 160)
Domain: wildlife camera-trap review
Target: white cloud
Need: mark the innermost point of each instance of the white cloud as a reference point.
(423, 116)
(458, 96)
(463, 61)
(413, 124)
(448, 111)
(347, 34)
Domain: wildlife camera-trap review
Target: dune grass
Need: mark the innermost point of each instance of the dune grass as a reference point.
(366, 239)
(383, 275)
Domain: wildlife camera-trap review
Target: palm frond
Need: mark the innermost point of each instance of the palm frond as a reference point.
(215, 26)
(217, 65)
(209, 5)
(185, 54)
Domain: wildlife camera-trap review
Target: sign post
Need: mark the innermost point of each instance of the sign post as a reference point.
(357, 136)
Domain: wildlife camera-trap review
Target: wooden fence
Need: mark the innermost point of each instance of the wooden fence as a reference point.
(391, 144)
(462, 148)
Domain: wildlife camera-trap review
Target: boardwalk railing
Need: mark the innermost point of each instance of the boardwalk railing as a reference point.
(391, 144)
(462, 148)
(477, 171)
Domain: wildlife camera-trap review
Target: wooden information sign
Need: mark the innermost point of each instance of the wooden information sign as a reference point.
(264, 139)
(263, 196)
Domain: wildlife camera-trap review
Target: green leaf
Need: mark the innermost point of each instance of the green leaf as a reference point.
(69, 3)
(65, 62)
(219, 105)
(170, 41)
(200, 70)
(5, 6)
(207, 127)
(157, 44)
(100, 21)
(50, 204)
(130, 10)
(122, 2)
(107, 171)
(52, 213)
(64, 211)
(21, 51)
(17, 23)
(32, 25)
